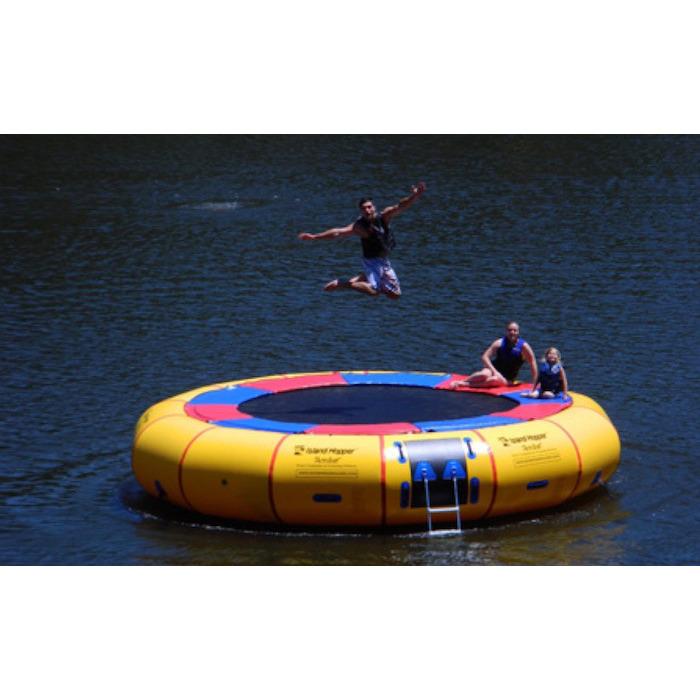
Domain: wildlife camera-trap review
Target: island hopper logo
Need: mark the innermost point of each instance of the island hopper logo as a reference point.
(334, 451)
(522, 440)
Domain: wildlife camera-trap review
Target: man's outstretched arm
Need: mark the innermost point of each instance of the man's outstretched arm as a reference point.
(416, 191)
(331, 233)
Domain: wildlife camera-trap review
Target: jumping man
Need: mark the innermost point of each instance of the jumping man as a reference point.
(377, 242)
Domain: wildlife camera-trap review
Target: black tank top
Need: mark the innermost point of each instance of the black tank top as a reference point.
(380, 240)
(509, 359)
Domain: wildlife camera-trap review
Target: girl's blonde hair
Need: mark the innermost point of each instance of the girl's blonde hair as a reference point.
(548, 350)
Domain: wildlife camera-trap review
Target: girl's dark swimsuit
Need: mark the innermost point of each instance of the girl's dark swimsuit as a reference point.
(550, 378)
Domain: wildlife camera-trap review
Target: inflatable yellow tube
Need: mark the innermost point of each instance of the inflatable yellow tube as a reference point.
(199, 455)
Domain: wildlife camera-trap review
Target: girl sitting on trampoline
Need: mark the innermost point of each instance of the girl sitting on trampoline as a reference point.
(551, 378)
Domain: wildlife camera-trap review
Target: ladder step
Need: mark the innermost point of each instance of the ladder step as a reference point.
(441, 509)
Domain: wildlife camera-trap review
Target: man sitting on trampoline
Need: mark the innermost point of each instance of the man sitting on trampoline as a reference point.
(502, 361)
(377, 242)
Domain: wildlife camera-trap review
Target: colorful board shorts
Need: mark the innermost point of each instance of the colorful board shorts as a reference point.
(380, 274)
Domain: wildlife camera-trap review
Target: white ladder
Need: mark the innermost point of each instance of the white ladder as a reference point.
(441, 509)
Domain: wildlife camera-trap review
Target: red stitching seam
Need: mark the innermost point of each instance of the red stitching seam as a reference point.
(578, 454)
(182, 461)
(493, 471)
(382, 477)
(269, 478)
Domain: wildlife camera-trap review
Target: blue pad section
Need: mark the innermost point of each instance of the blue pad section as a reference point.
(405, 378)
(466, 423)
(515, 395)
(274, 426)
(230, 396)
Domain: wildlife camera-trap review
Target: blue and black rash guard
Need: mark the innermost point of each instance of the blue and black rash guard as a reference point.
(550, 377)
(509, 359)
(380, 240)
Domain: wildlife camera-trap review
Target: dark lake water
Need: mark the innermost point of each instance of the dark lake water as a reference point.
(135, 268)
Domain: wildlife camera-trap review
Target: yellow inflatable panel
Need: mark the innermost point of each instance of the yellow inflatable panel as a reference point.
(221, 450)
(328, 480)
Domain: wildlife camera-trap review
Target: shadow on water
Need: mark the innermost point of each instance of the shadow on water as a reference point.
(584, 531)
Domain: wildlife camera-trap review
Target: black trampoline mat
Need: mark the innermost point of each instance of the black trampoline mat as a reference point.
(373, 403)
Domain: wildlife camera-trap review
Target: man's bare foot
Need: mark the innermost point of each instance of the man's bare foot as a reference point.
(333, 284)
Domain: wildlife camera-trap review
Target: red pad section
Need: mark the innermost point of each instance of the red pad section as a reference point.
(518, 386)
(291, 383)
(449, 380)
(494, 391)
(533, 411)
(214, 411)
(363, 429)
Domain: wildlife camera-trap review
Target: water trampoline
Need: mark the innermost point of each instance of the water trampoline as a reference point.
(370, 449)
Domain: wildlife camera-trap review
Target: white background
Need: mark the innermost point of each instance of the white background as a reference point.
(357, 67)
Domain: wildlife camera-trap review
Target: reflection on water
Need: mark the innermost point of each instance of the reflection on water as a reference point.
(586, 531)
